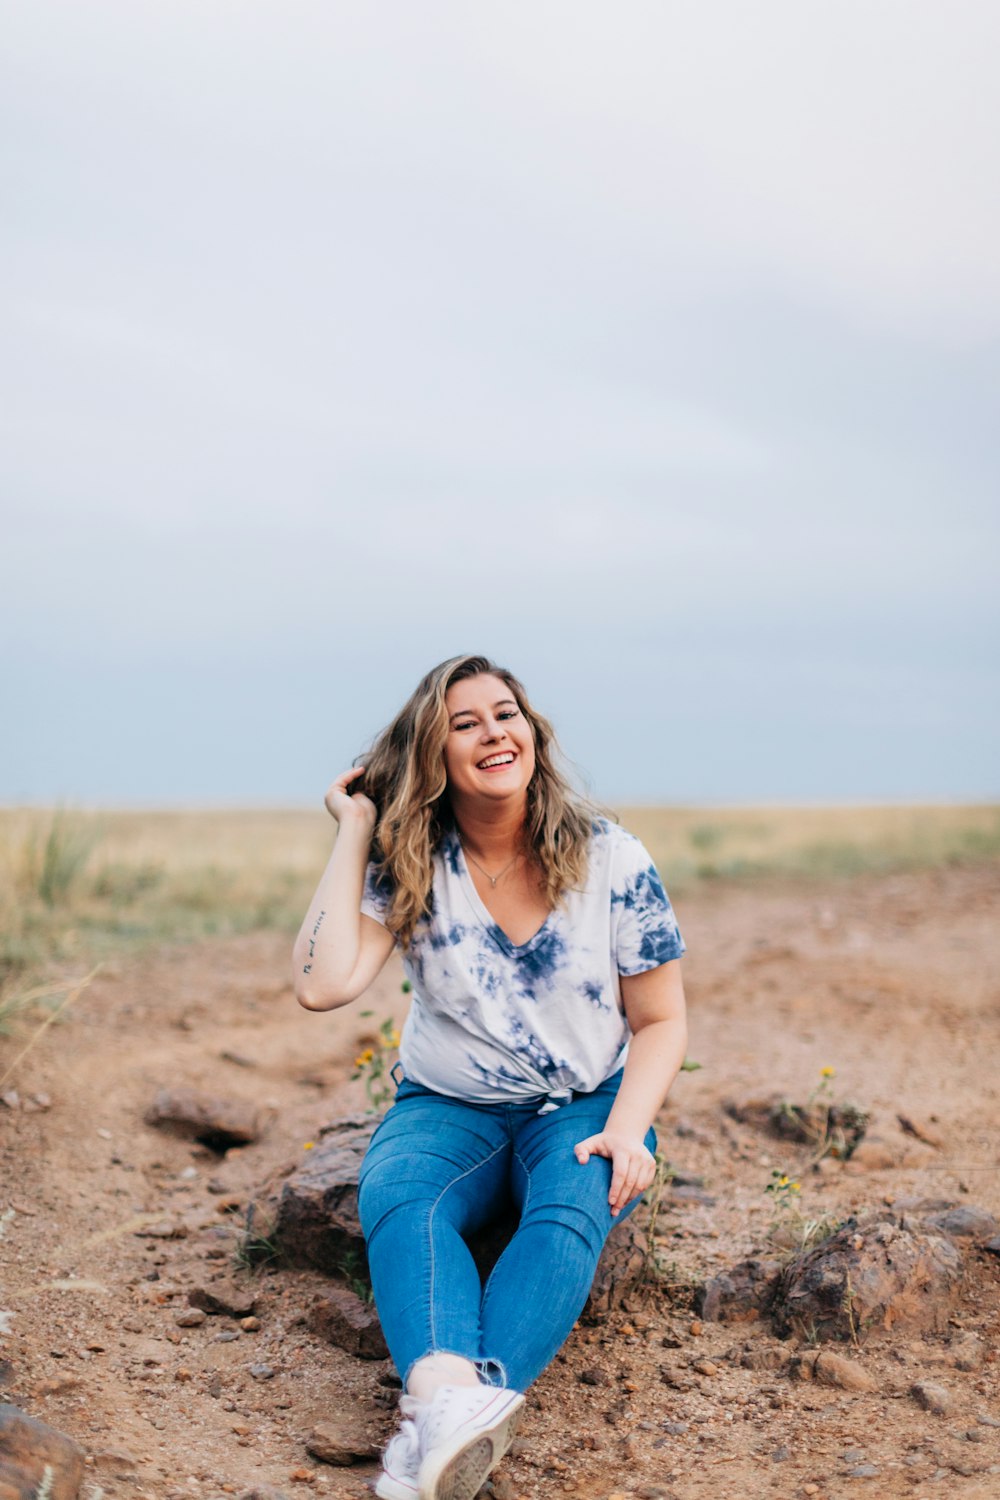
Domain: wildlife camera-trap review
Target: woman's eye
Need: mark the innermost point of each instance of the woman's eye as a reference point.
(508, 713)
(469, 725)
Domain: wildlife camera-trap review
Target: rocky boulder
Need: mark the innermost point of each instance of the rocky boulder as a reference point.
(215, 1122)
(870, 1275)
(36, 1459)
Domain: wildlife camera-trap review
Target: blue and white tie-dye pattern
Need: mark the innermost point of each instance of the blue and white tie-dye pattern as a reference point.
(493, 1020)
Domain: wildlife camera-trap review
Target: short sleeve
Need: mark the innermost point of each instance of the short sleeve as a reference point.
(376, 894)
(643, 926)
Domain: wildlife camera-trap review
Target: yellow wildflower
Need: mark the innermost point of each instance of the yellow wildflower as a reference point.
(795, 1187)
(309, 1146)
(827, 1072)
(393, 1038)
(364, 1059)
(782, 1181)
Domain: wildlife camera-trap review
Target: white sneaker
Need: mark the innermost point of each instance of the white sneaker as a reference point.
(401, 1459)
(464, 1433)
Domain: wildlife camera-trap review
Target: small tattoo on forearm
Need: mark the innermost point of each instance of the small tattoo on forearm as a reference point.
(312, 941)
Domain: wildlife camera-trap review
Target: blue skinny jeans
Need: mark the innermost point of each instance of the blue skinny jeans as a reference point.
(437, 1170)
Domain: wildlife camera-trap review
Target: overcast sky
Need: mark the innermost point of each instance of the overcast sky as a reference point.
(650, 348)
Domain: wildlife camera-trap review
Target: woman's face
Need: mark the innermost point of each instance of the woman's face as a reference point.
(490, 749)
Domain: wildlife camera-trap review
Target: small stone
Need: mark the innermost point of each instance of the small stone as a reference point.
(183, 1374)
(189, 1317)
(227, 1336)
(863, 1471)
(781, 1455)
(962, 1223)
(810, 1489)
(340, 1442)
(262, 1372)
(224, 1296)
(705, 1367)
(340, 1316)
(250, 1325)
(696, 1328)
(593, 1376)
(988, 1421)
(832, 1369)
(675, 1428)
(923, 1129)
(933, 1398)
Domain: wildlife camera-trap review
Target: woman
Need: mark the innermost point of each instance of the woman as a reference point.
(546, 1026)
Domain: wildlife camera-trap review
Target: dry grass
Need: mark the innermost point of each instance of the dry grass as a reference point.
(692, 845)
(76, 889)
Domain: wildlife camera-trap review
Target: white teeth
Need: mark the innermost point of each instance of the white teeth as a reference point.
(496, 760)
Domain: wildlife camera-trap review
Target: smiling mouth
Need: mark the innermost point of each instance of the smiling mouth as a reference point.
(494, 762)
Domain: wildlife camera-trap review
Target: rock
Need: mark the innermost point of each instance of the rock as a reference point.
(593, 1376)
(32, 1453)
(874, 1155)
(189, 1317)
(831, 1369)
(871, 1273)
(215, 1122)
(863, 1471)
(250, 1325)
(993, 1245)
(968, 1353)
(224, 1296)
(932, 1397)
(316, 1222)
(741, 1294)
(341, 1441)
(837, 1127)
(691, 1194)
(340, 1317)
(264, 1492)
(962, 1223)
(262, 1372)
(762, 1356)
(923, 1129)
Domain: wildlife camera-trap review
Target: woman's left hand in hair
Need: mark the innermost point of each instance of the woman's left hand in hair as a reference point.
(633, 1166)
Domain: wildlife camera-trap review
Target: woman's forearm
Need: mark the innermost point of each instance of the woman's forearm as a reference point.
(654, 1059)
(327, 949)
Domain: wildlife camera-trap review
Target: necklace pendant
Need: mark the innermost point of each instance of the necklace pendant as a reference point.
(493, 881)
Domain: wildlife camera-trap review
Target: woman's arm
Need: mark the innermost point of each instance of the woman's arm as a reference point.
(339, 952)
(654, 1007)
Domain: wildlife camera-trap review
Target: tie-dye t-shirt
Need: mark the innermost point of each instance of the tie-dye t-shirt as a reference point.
(494, 1020)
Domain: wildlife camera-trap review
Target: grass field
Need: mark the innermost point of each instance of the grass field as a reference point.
(79, 888)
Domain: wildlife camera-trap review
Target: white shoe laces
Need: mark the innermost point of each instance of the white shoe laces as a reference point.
(402, 1453)
(452, 1405)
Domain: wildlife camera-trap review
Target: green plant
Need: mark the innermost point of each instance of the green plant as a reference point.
(374, 1067)
(53, 859)
(791, 1228)
(354, 1271)
(256, 1244)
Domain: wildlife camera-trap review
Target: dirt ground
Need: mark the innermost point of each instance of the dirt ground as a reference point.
(893, 982)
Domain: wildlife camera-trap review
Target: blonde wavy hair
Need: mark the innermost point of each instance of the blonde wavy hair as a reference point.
(405, 778)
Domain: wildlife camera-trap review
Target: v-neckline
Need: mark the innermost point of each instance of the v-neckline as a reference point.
(486, 917)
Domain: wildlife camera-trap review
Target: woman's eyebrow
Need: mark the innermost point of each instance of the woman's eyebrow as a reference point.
(464, 713)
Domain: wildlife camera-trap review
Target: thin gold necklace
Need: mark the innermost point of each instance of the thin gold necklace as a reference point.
(491, 878)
